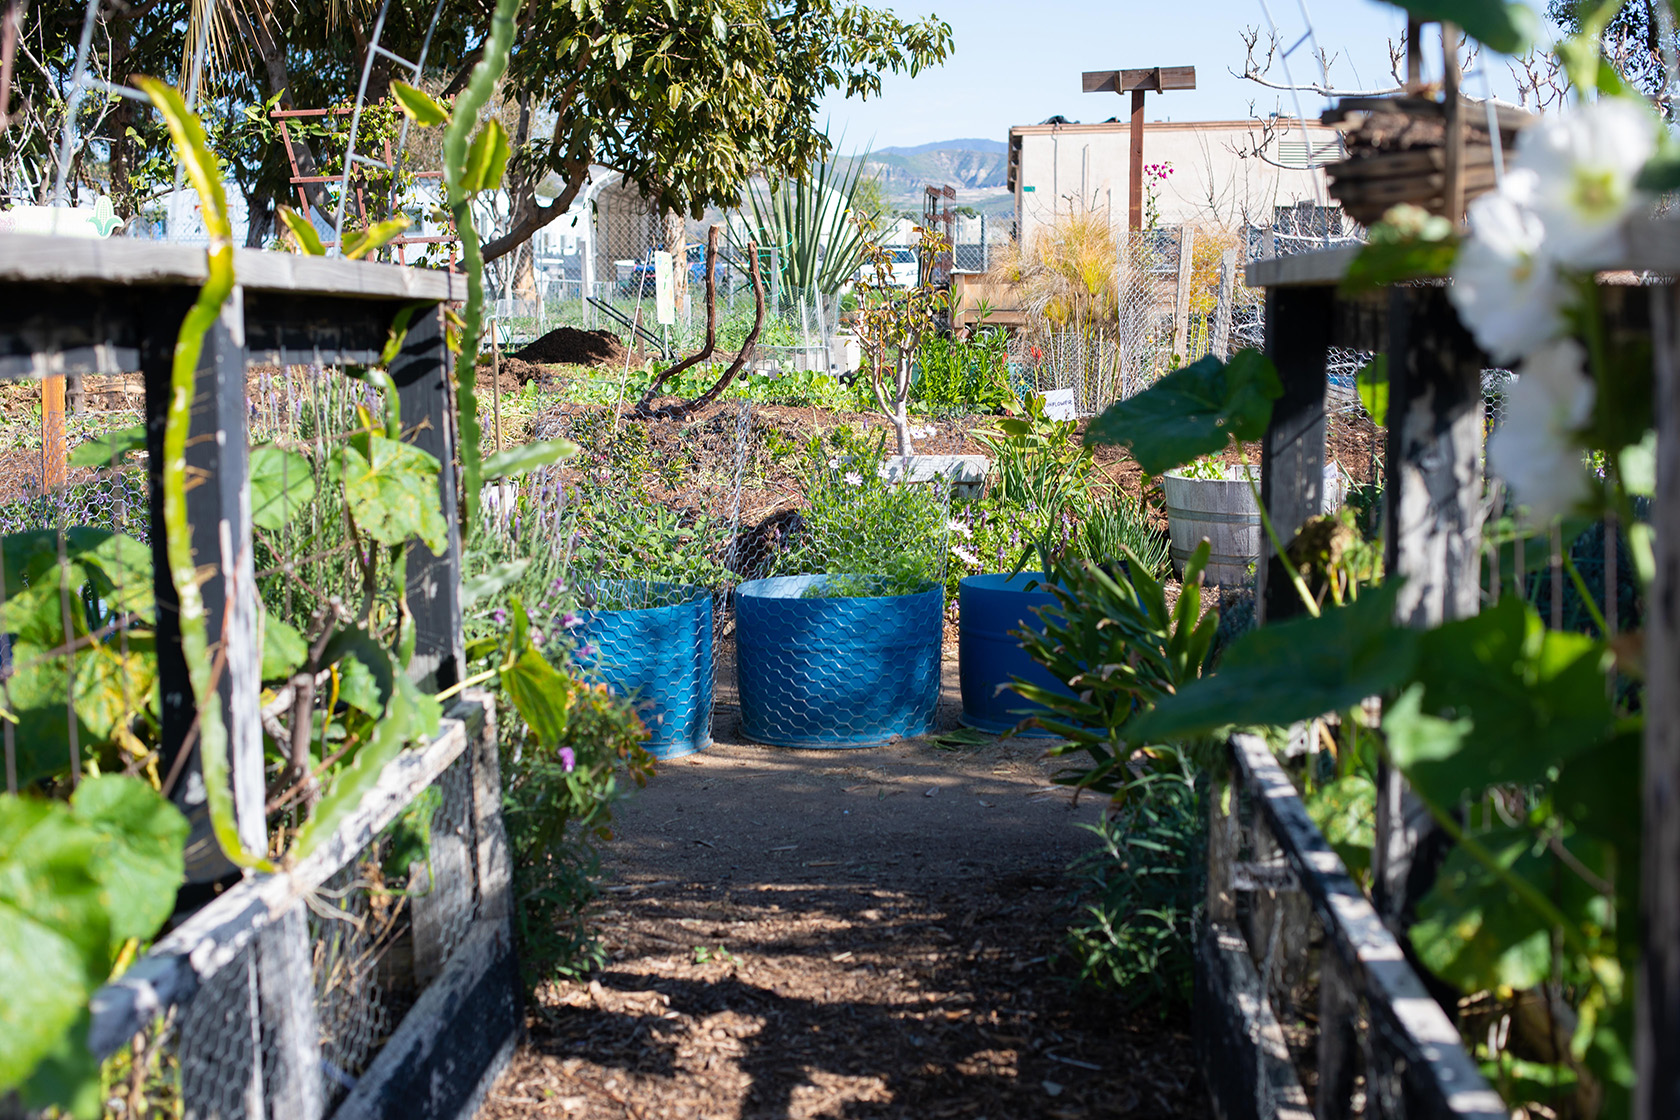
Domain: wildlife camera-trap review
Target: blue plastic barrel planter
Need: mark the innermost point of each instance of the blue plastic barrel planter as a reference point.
(657, 650)
(989, 607)
(832, 673)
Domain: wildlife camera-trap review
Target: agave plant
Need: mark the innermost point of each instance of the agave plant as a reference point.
(809, 220)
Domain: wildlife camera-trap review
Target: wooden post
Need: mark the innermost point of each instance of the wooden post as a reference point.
(1657, 1005)
(291, 1032)
(1134, 170)
(1433, 534)
(53, 447)
(1220, 343)
(421, 374)
(1298, 322)
(1181, 312)
(219, 510)
(1136, 83)
(1452, 192)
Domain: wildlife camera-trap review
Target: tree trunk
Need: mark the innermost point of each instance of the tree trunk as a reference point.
(901, 421)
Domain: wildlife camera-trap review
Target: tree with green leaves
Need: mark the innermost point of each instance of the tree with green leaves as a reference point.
(689, 98)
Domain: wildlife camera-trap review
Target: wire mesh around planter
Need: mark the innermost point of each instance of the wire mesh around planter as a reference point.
(841, 646)
(654, 641)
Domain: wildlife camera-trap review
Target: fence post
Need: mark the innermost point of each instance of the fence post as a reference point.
(53, 446)
(1657, 1039)
(291, 1031)
(1298, 321)
(1181, 309)
(219, 511)
(421, 374)
(1433, 531)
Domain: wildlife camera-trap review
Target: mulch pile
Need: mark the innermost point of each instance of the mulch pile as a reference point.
(571, 346)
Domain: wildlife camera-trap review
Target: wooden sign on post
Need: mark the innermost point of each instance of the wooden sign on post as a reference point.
(1137, 83)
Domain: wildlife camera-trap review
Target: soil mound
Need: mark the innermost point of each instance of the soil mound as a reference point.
(572, 346)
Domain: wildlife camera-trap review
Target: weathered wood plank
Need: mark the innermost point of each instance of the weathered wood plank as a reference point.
(1238, 1039)
(1438, 1067)
(219, 510)
(1320, 268)
(439, 1059)
(197, 949)
(1298, 322)
(494, 860)
(290, 1029)
(31, 259)
(1657, 1088)
(1181, 305)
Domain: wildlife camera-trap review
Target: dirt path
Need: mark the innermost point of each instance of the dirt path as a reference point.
(847, 935)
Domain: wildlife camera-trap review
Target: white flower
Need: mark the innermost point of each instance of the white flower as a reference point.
(1584, 165)
(965, 556)
(833, 464)
(1535, 449)
(1504, 287)
(853, 478)
(960, 527)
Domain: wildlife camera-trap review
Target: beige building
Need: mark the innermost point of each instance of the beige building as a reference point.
(1224, 174)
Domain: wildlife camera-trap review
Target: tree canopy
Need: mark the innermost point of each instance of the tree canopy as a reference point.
(686, 98)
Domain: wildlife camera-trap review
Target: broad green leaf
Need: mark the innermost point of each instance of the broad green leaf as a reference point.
(1373, 389)
(1507, 26)
(1638, 466)
(1192, 412)
(516, 461)
(540, 692)
(1476, 931)
(284, 649)
(1533, 698)
(1345, 811)
(366, 673)
(1599, 793)
(68, 1077)
(1409, 244)
(476, 589)
(304, 230)
(54, 930)
(115, 680)
(486, 159)
(282, 486)
(109, 449)
(408, 839)
(419, 106)
(359, 243)
(392, 492)
(138, 862)
(409, 718)
(1291, 671)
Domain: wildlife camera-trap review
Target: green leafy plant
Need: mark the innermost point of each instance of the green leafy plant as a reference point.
(968, 375)
(892, 324)
(79, 881)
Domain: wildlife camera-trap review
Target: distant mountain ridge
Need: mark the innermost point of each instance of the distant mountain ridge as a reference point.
(965, 164)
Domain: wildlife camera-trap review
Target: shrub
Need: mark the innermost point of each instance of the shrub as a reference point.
(970, 376)
(1141, 890)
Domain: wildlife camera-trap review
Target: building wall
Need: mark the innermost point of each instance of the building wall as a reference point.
(1217, 179)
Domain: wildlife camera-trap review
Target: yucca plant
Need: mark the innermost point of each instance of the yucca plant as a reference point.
(809, 221)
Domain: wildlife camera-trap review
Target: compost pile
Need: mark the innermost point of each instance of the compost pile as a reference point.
(571, 346)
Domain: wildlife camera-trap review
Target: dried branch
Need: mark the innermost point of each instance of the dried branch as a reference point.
(644, 406)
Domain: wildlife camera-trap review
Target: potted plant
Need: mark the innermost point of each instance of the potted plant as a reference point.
(843, 650)
(652, 642)
(1207, 499)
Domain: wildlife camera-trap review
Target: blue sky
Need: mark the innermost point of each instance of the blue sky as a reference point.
(1019, 62)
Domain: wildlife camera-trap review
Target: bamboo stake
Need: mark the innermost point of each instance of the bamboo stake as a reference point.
(53, 448)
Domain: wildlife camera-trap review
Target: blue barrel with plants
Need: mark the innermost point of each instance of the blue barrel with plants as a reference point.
(822, 668)
(990, 658)
(652, 642)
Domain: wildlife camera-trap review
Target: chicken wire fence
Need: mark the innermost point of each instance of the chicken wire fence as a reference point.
(292, 1025)
(291, 1022)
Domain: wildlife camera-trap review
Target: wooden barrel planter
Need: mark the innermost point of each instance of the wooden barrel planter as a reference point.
(830, 672)
(1224, 511)
(990, 657)
(657, 649)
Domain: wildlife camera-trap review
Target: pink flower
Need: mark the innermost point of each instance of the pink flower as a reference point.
(568, 760)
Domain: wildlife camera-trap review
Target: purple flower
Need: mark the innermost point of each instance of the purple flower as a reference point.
(568, 760)
(559, 584)
(499, 615)
(587, 649)
(570, 621)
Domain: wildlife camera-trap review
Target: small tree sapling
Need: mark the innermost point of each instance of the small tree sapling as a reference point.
(891, 323)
